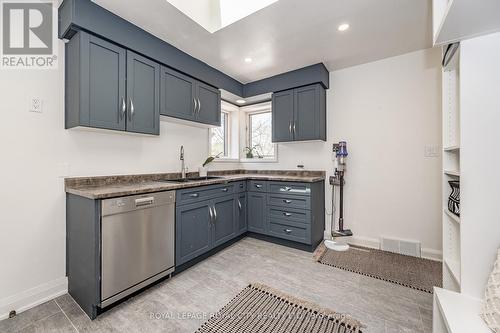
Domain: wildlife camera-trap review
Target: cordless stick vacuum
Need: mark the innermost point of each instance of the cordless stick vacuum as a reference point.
(340, 151)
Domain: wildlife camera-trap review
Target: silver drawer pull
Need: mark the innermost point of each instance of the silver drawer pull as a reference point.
(224, 189)
(241, 185)
(288, 231)
(239, 204)
(285, 189)
(258, 185)
(287, 201)
(287, 214)
(144, 201)
(194, 195)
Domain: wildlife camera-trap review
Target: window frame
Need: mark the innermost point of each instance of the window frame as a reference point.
(225, 153)
(264, 107)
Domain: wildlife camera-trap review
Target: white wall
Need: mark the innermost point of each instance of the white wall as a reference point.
(35, 150)
(479, 160)
(387, 111)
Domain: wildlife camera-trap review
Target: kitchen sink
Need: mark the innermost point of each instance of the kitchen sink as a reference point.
(187, 180)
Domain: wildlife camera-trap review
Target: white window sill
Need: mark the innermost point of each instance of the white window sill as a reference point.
(259, 160)
(226, 160)
(245, 160)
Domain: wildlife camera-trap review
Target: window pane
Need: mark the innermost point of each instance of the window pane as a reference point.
(218, 138)
(260, 134)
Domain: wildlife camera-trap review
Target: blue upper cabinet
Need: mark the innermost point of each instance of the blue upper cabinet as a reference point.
(282, 114)
(143, 91)
(299, 114)
(186, 98)
(110, 88)
(209, 104)
(178, 93)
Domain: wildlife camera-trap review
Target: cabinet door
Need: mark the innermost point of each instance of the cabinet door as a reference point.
(177, 94)
(241, 213)
(282, 114)
(193, 231)
(223, 222)
(143, 93)
(257, 216)
(307, 120)
(102, 83)
(209, 105)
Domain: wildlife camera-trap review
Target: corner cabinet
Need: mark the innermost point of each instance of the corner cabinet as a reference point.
(299, 114)
(186, 98)
(109, 87)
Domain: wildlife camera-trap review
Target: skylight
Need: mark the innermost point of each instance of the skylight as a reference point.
(214, 15)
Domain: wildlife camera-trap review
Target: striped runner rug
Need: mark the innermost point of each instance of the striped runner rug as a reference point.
(259, 308)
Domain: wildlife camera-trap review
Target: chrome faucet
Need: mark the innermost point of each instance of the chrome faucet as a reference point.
(183, 167)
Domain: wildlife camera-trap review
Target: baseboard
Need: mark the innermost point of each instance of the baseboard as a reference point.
(374, 243)
(30, 298)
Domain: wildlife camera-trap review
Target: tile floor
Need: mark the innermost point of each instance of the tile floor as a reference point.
(183, 303)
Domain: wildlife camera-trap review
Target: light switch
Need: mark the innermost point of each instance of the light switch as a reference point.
(432, 151)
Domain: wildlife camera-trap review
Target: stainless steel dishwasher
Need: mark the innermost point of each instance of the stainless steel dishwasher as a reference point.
(137, 243)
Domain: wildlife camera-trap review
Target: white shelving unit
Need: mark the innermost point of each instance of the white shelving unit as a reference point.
(457, 313)
(451, 171)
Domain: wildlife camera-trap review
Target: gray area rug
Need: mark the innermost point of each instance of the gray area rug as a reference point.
(417, 273)
(259, 308)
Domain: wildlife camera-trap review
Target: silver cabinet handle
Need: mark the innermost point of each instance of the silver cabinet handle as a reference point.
(288, 231)
(194, 195)
(132, 109)
(124, 108)
(241, 185)
(287, 201)
(239, 204)
(211, 214)
(290, 127)
(258, 185)
(285, 189)
(225, 189)
(144, 201)
(294, 132)
(287, 214)
(199, 106)
(195, 106)
(215, 213)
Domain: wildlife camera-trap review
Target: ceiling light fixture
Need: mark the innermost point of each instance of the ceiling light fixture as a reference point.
(240, 101)
(248, 60)
(343, 27)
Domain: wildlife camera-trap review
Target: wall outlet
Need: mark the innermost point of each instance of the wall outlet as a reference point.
(35, 105)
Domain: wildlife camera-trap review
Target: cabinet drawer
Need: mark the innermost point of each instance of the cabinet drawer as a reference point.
(290, 188)
(290, 231)
(196, 194)
(257, 186)
(240, 186)
(289, 201)
(294, 215)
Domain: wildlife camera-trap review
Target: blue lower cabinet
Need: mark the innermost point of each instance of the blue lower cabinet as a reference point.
(223, 220)
(241, 213)
(203, 224)
(193, 231)
(297, 232)
(257, 212)
(210, 216)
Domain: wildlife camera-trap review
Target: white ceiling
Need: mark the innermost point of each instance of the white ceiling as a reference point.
(290, 34)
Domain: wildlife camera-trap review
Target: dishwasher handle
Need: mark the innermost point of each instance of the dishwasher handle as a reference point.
(141, 202)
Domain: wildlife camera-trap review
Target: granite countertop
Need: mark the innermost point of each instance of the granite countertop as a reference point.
(117, 186)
